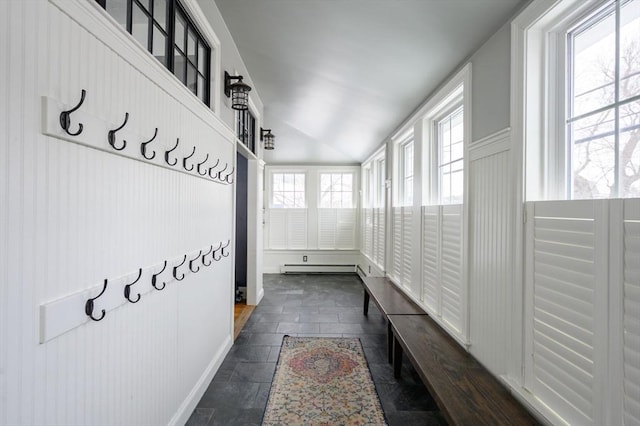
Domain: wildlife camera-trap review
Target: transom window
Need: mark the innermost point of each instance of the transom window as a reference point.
(336, 190)
(247, 129)
(288, 190)
(164, 29)
(450, 136)
(603, 108)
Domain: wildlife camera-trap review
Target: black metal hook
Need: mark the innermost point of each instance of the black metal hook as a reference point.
(166, 154)
(184, 160)
(65, 120)
(88, 307)
(214, 252)
(143, 147)
(200, 164)
(220, 172)
(154, 278)
(193, 260)
(127, 289)
(226, 178)
(175, 269)
(112, 134)
(222, 249)
(213, 167)
(205, 255)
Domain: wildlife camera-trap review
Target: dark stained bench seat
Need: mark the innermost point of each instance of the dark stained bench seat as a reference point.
(466, 393)
(389, 300)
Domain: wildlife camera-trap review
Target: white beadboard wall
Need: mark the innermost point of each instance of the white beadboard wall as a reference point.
(72, 216)
(490, 257)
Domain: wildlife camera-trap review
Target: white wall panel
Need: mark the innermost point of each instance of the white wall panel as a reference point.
(490, 257)
(73, 216)
(631, 316)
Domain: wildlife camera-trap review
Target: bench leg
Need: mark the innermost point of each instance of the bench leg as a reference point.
(366, 303)
(397, 358)
(389, 341)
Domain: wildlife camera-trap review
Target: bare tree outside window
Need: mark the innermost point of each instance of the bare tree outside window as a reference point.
(604, 107)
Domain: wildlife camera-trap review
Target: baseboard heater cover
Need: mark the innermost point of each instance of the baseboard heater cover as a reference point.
(308, 268)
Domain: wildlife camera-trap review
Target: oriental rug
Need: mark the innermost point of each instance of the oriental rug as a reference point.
(322, 381)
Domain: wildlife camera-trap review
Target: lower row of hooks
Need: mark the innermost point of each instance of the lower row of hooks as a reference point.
(200, 258)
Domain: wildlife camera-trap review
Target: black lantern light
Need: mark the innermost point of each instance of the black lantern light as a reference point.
(238, 91)
(268, 138)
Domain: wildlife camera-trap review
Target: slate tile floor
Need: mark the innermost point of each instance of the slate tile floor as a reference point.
(308, 305)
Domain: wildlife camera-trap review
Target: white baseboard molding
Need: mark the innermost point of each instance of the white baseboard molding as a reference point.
(191, 401)
(314, 268)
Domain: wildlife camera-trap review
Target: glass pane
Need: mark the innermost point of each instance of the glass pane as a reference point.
(191, 77)
(178, 66)
(140, 26)
(277, 182)
(299, 200)
(629, 157)
(347, 182)
(457, 146)
(444, 141)
(336, 182)
(445, 184)
(630, 50)
(593, 156)
(278, 199)
(180, 32)
(594, 66)
(408, 159)
(288, 200)
(191, 47)
(289, 182)
(160, 12)
(144, 3)
(457, 182)
(202, 56)
(325, 199)
(299, 182)
(201, 87)
(325, 182)
(346, 200)
(408, 191)
(118, 9)
(159, 45)
(335, 200)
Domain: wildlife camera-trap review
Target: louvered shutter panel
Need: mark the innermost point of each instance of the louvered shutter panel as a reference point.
(346, 227)
(407, 233)
(451, 265)
(430, 258)
(631, 317)
(297, 228)
(277, 228)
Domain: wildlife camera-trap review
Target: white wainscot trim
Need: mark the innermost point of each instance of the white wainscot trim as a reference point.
(490, 145)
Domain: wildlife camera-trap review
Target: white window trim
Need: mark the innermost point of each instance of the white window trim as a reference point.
(435, 164)
(287, 171)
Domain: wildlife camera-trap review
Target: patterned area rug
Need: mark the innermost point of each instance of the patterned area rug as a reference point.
(322, 381)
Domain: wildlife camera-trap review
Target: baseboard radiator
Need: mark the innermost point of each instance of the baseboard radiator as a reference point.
(309, 268)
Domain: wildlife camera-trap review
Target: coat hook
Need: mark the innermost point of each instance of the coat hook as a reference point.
(213, 167)
(214, 252)
(226, 178)
(205, 255)
(175, 269)
(166, 154)
(155, 276)
(191, 262)
(200, 164)
(112, 134)
(222, 249)
(184, 160)
(127, 289)
(220, 172)
(65, 120)
(88, 307)
(143, 147)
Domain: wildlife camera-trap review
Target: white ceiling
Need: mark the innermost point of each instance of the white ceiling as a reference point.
(338, 76)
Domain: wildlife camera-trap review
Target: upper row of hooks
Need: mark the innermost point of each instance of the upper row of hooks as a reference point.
(89, 305)
(187, 164)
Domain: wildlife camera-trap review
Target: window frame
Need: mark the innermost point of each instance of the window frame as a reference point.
(451, 109)
(342, 174)
(174, 8)
(246, 129)
(272, 192)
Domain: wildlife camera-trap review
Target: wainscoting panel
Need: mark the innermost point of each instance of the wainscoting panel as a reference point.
(72, 216)
(490, 259)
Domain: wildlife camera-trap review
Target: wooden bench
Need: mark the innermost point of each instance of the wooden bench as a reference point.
(390, 301)
(466, 393)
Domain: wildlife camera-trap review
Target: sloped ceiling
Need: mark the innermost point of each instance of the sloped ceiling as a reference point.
(338, 76)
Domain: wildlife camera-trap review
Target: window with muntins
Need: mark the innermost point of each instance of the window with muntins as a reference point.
(288, 190)
(166, 31)
(450, 138)
(247, 129)
(603, 105)
(406, 173)
(336, 190)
